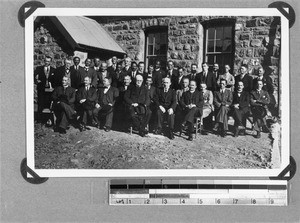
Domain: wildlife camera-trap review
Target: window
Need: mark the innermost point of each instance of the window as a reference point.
(156, 45)
(219, 47)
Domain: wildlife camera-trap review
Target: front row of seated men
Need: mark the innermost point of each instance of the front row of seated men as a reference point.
(140, 101)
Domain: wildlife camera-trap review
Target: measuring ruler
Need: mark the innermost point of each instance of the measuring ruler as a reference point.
(198, 192)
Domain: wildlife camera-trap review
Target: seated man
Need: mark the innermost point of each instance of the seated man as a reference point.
(259, 99)
(240, 107)
(165, 101)
(178, 112)
(86, 99)
(208, 99)
(222, 101)
(151, 92)
(192, 105)
(105, 102)
(63, 105)
(137, 99)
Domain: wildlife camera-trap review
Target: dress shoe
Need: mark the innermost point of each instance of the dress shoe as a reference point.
(158, 131)
(86, 128)
(266, 129)
(190, 138)
(216, 127)
(223, 134)
(172, 135)
(106, 128)
(142, 133)
(241, 127)
(236, 132)
(258, 135)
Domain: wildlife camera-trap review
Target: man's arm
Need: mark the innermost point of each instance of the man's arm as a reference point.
(216, 102)
(72, 96)
(173, 104)
(127, 98)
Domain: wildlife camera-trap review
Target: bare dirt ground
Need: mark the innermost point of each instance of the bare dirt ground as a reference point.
(97, 149)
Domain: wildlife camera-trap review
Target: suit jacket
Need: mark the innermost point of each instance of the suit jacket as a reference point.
(267, 84)
(122, 91)
(247, 80)
(90, 96)
(111, 69)
(117, 78)
(216, 74)
(39, 74)
(262, 98)
(127, 72)
(210, 81)
(100, 78)
(133, 78)
(109, 97)
(151, 93)
(167, 100)
(222, 99)
(177, 82)
(174, 78)
(67, 96)
(61, 72)
(243, 100)
(157, 77)
(192, 98)
(137, 95)
(75, 76)
(90, 73)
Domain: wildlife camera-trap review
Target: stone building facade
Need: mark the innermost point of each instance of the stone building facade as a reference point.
(185, 40)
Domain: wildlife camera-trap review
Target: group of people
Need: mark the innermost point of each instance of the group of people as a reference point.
(85, 95)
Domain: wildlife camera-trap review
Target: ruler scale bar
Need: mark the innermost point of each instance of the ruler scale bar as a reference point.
(198, 192)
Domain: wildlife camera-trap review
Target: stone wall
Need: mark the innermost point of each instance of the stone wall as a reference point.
(48, 41)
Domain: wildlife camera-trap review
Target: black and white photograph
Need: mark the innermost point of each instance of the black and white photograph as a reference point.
(157, 92)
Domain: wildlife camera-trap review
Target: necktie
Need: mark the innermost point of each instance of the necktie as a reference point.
(86, 69)
(65, 90)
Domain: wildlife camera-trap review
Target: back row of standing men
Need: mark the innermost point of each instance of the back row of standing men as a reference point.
(121, 76)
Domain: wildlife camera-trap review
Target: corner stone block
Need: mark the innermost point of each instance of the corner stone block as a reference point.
(255, 42)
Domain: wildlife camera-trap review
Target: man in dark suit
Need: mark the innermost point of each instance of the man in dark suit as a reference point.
(134, 71)
(191, 103)
(259, 99)
(63, 105)
(222, 101)
(194, 76)
(178, 80)
(165, 101)
(137, 99)
(105, 104)
(90, 72)
(76, 69)
(245, 78)
(216, 71)
(43, 78)
(102, 74)
(86, 98)
(240, 108)
(207, 77)
(127, 69)
(111, 69)
(172, 73)
(141, 69)
(151, 92)
(118, 76)
(157, 74)
(64, 71)
(267, 81)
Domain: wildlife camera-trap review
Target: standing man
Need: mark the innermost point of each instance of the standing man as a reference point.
(151, 92)
(76, 69)
(208, 106)
(103, 73)
(86, 99)
(216, 71)
(172, 74)
(245, 78)
(222, 101)
(259, 100)
(111, 69)
(63, 105)
(178, 80)
(117, 76)
(137, 99)
(127, 68)
(165, 100)
(65, 71)
(105, 104)
(240, 107)
(208, 78)
(88, 72)
(193, 76)
(43, 78)
(179, 110)
(134, 71)
(192, 105)
(141, 69)
(267, 81)
(158, 74)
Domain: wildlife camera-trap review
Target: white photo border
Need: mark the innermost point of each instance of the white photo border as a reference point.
(284, 92)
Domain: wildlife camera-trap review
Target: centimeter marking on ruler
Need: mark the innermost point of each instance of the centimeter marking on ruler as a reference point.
(267, 193)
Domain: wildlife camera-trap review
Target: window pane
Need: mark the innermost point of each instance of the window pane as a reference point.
(219, 45)
(210, 59)
(150, 50)
(227, 46)
(227, 60)
(220, 60)
(163, 49)
(219, 32)
(210, 46)
(150, 38)
(227, 32)
(211, 33)
(163, 38)
(157, 37)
